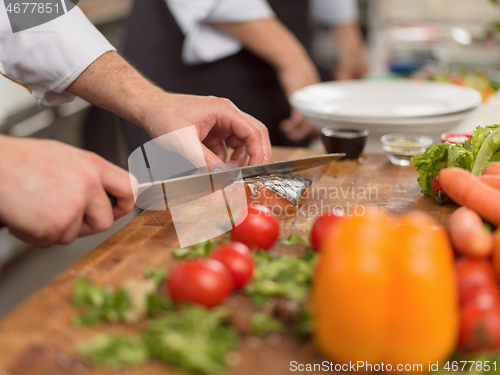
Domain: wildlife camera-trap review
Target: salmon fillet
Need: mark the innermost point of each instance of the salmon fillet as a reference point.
(280, 192)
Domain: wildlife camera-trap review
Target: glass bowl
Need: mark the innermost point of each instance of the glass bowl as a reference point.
(401, 147)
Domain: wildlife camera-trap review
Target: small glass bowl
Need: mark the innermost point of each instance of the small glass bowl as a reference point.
(401, 147)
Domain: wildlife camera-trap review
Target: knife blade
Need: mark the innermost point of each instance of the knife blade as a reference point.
(156, 191)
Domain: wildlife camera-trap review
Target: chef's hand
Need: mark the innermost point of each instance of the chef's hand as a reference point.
(53, 193)
(111, 83)
(218, 122)
(296, 127)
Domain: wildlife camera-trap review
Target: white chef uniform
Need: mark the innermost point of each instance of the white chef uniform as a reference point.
(205, 43)
(48, 58)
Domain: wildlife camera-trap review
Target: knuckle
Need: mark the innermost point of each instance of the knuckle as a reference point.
(104, 223)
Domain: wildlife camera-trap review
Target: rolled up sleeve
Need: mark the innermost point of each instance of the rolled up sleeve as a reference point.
(50, 57)
(334, 12)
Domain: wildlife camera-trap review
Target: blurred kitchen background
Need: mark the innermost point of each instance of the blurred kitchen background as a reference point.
(454, 41)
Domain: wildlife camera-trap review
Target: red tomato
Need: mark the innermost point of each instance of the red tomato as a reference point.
(260, 229)
(202, 281)
(436, 185)
(479, 329)
(320, 227)
(238, 260)
(475, 276)
(455, 138)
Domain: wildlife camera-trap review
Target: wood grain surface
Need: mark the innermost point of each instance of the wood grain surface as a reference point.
(38, 338)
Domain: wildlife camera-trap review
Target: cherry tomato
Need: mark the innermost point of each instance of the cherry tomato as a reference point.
(238, 260)
(320, 227)
(480, 305)
(205, 282)
(455, 138)
(436, 185)
(260, 229)
(479, 329)
(475, 276)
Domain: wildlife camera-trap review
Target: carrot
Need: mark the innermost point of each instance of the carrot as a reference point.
(468, 235)
(467, 190)
(491, 180)
(492, 169)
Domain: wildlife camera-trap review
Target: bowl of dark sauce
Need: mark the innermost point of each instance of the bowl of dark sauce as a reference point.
(351, 142)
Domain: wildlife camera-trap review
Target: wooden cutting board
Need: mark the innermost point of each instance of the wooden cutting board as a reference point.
(38, 339)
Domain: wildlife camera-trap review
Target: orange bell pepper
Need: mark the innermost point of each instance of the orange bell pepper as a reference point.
(385, 292)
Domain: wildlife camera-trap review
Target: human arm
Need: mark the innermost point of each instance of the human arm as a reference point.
(111, 83)
(274, 43)
(352, 59)
(342, 16)
(52, 192)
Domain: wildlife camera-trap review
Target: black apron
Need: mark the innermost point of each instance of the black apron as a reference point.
(154, 43)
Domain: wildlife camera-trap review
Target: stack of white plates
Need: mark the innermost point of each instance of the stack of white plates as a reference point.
(381, 107)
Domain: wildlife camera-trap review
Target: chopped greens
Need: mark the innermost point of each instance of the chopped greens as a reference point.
(294, 239)
(303, 326)
(113, 351)
(193, 338)
(203, 249)
(156, 275)
(284, 276)
(158, 304)
(263, 323)
(99, 303)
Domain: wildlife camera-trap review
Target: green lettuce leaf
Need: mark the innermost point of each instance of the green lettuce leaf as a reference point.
(489, 150)
(437, 157)
(479, 135)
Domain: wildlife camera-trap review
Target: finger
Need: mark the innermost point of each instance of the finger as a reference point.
(72, 232)
(117, 182)
(98, 215)
(210, 157)
(266, 143)
(239, 156)
(219, 149)
(250, 130)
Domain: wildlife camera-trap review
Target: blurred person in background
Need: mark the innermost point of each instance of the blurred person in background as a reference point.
(51, 192)
(254, 52)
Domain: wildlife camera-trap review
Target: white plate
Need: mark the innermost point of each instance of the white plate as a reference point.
(398, 99)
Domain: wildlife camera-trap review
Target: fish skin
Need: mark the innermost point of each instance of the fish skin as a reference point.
(290, 187)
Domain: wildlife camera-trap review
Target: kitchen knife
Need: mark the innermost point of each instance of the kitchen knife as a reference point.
(156, 191)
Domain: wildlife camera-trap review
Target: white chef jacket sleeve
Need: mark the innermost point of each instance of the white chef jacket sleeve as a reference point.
(203, 41)
(49, 57)
(334, 12)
